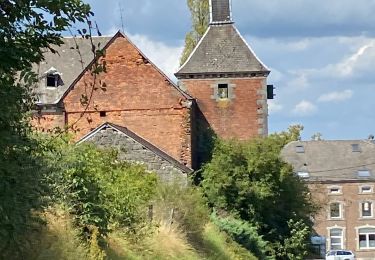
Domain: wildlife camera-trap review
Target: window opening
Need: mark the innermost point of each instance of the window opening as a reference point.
(366, 209)
(336, 238)
(356, 148)
(335, 210)
(300, 149)
(366, 238)
(103, 114)
(223, 91)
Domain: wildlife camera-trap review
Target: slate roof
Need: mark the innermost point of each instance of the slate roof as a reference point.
(332, 160)
(71, 64)
(141, 141)
(222, 50)
(66, 61)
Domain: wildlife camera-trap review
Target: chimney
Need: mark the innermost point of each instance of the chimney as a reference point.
(221, 11)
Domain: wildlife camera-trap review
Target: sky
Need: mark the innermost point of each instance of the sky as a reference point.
(321, 54)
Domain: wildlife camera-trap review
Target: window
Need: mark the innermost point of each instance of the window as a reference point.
(356, 148)
(366, 238)
(364, 173)
(366, 189)
(52, 80)
(222, 91)
(334, 190)
(303, 175)
(103, 114)
(300, 149)
(335, 210)
(366, 209)
(336, 238)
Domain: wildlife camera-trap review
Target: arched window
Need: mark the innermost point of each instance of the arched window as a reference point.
(366, 238)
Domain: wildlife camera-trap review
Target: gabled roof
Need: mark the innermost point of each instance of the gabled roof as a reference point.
(332, 160)
(139, 140)
(222, 50)
(72, 65)
(69, 62)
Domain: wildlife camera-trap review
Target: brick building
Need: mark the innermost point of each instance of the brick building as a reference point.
(341, 178)
(221, 91)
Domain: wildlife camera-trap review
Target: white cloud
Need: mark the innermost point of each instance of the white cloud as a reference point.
(274, 107)
(336, 96)
(304, 108)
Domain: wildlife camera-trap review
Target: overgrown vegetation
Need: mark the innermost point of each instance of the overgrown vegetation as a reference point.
(250, 182)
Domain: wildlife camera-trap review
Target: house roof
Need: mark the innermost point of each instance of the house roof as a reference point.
(71, 63)
(139, 140)
(332, 160)
(222, 50)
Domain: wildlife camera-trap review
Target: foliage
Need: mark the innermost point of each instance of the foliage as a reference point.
(25, 33)
(100, 191)
(296, 245)
(191, 211)
(200, 16)
(251, 182)
(243, 233)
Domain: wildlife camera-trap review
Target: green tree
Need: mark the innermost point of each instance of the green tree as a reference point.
(251, 182)
(25, 33)
(200, 17)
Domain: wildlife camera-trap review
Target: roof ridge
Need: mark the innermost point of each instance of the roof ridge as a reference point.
(139, 139)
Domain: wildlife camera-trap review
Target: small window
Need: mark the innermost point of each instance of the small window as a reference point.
(366, 189)
(335, 210)
(303, 175)
(366, 209)
(334, 190)
(300, 149)
(364, 173)
(222, 91)
(356, 148)
(103, 114)
(52, 80)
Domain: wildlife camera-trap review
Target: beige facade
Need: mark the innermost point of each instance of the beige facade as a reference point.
(341, 178)
(347, 216)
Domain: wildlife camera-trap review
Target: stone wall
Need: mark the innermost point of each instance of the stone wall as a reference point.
(133, 151)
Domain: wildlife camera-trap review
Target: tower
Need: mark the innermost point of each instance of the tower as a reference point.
(227, 79)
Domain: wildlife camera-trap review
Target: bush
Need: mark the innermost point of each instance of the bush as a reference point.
(243, 233)
(99, 190)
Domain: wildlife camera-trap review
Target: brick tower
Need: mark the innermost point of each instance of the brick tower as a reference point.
(227, 80)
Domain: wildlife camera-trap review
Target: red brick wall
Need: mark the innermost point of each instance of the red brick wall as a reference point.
(48, 122)
(137, 96)
(242, 117)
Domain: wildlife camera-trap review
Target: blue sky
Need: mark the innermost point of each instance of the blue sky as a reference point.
(321, 53)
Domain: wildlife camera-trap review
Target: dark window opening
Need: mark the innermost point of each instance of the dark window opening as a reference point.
(335, 210)
(223, 91)
(52, 80)
(103, 114)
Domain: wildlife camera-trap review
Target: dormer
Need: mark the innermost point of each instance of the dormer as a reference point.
(53, 78)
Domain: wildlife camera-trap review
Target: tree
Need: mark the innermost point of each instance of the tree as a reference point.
(25, 33)
(252, 183)
(200, 17)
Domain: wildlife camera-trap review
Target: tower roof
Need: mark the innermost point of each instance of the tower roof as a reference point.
(222, 50)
